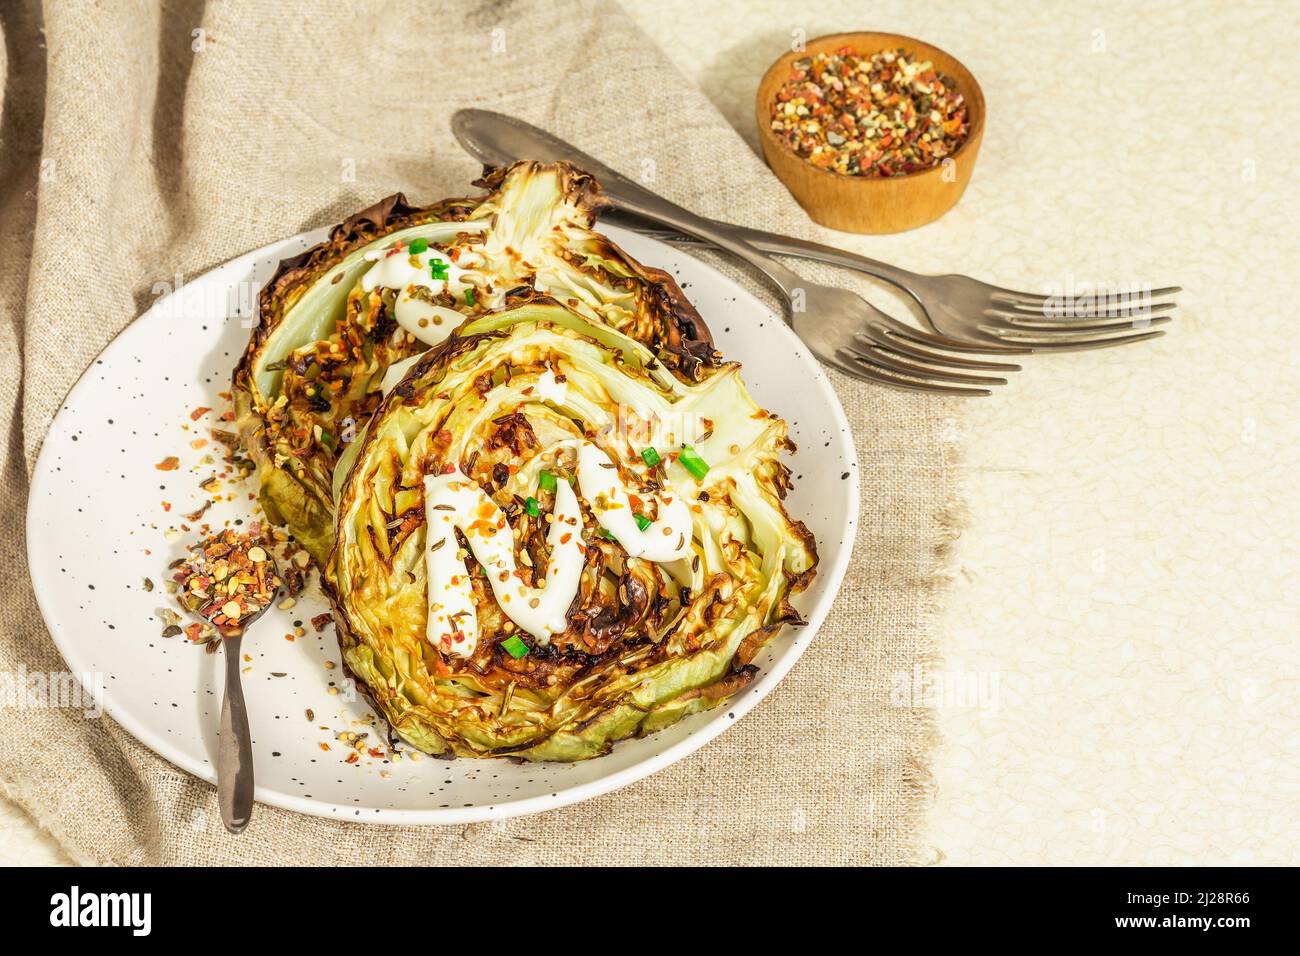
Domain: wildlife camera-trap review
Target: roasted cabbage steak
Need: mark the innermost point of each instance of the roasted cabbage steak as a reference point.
(493, 593)
(395, 279)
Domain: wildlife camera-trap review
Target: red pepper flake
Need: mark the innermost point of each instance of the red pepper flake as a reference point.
(170, 463)
(199, 413)
(888, 114)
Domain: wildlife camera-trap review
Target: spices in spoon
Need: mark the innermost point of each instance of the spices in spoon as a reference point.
(227, 579)
(888, 114)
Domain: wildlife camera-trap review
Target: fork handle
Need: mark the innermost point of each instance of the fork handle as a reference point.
(496, 138)
(775, 244)
(631, 198)
(657, 209)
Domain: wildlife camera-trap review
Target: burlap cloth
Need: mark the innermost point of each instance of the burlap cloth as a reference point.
(139, 143)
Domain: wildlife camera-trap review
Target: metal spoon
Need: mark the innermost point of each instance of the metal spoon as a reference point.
(235, 750)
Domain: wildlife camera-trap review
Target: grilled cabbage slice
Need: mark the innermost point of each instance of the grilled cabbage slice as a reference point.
(311, 375)
(646, 643)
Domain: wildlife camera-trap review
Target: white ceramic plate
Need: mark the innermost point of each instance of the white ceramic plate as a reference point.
(96, 529)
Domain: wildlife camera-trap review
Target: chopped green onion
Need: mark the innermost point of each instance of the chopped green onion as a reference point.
(642, 521)
(546, 481)
(418, 246)
(531, 507)
(693, 463)
(438, 269)
(469, 296)
(651, 457)
(513, 646)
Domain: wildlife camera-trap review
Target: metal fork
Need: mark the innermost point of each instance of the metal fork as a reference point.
(843, 329)
(969, 312)
(848, 332)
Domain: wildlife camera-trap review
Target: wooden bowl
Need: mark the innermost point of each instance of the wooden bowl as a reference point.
(864, 203)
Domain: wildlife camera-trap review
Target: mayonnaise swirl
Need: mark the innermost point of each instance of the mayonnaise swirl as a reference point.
(398, 268)
(454, 501)
(665, 539)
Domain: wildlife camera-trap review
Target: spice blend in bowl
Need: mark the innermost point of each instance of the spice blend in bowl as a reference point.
(887, 114)
(871, 132)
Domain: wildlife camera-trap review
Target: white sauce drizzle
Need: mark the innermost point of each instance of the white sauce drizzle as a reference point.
(394, 269)
(453, 623)
(665, 539)
(454, 501)
(550, 390)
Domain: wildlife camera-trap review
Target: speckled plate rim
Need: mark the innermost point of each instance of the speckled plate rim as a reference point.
(121, 712)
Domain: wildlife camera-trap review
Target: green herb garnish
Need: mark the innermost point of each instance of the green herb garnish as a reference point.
(513, 646)
(530, 506)
(650, 457)
(642, 521)
(546, 481)
(693, 463)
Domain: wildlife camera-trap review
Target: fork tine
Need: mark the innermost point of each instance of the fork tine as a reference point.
(896, 329)
(1027, 298)
(1051, 315)
(859, 371)
(863, 371)
(872, 368)
(892, 345)
(1046, 329)
(876, 356)
(987, 344)
(1062, 344)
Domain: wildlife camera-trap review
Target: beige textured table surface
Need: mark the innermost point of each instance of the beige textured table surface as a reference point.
(1120, 683)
